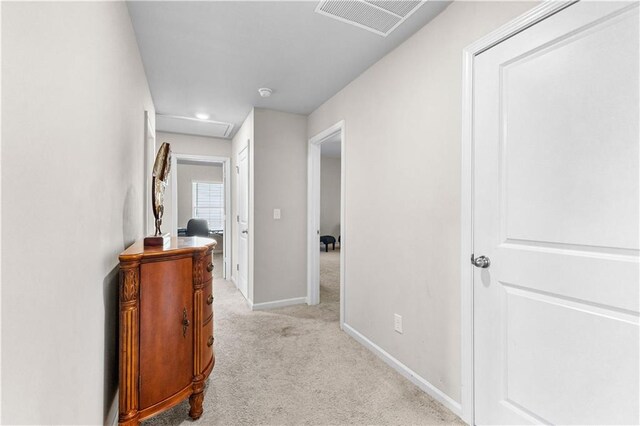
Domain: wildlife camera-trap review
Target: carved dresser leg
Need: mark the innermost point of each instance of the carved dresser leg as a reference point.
(195, 401)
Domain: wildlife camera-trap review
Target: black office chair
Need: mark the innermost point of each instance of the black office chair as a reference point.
(197, 228)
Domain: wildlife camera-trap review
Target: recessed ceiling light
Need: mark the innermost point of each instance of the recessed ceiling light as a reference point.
(265, 92)
(202, 116)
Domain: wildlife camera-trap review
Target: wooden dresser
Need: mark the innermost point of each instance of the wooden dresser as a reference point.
(166, 327)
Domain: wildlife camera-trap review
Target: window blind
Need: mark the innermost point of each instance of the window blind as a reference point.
(208, 203)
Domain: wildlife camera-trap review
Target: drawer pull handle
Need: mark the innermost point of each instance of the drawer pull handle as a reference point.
(210, 299)
(210, 267)
(185, 322)
(210, 341)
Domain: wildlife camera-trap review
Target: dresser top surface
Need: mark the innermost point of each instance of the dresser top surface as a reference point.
(178, 245)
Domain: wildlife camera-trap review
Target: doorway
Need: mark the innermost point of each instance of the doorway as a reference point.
(326, 213)
(200, 190)
(550, 219)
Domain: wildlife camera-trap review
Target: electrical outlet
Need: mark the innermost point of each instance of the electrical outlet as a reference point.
(397, 323)
(276, 214)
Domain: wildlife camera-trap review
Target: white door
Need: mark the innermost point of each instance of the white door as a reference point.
(243, 221)
(556, 211)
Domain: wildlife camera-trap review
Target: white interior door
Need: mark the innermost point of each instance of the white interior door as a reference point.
(243, 221)
(556, 211)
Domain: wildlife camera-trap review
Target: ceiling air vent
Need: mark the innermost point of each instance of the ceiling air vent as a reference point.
(380, 17)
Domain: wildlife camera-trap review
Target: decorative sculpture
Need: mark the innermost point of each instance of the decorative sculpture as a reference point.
(161, 170)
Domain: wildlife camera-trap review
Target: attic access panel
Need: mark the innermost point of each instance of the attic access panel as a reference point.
(192, 126)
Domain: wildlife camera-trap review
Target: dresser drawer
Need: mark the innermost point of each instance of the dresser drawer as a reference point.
(207, 267)
(207, 343)
(207, 309)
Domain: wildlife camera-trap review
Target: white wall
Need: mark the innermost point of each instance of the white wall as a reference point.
(186, 174)
(74, 94)
(405, 113)
(195, 145)
(330, 196)
(280, 167)
(277, 179)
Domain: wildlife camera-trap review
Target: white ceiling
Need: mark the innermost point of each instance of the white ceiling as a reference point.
(213, 56)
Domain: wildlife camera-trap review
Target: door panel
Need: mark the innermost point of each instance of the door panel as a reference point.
(556, 210)
(543, 129)
(565, 359)
(243, 221)
(166, 354)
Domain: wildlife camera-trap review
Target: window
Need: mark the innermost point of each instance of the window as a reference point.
(208, 203)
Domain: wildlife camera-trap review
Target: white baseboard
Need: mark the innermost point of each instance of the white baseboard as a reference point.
(233, 280)
(427, 387)
(279, 303)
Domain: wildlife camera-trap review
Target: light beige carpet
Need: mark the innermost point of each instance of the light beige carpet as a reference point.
(330, 279)
(293, 366)
(218, 266)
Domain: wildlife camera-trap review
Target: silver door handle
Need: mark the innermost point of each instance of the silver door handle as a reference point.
(481, 262)
(245, 232)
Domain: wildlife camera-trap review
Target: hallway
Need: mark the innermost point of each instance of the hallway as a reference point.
(330, 280)
(294, 366)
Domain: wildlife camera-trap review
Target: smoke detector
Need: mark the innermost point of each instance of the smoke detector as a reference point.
(379, 17)
(265, 92)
